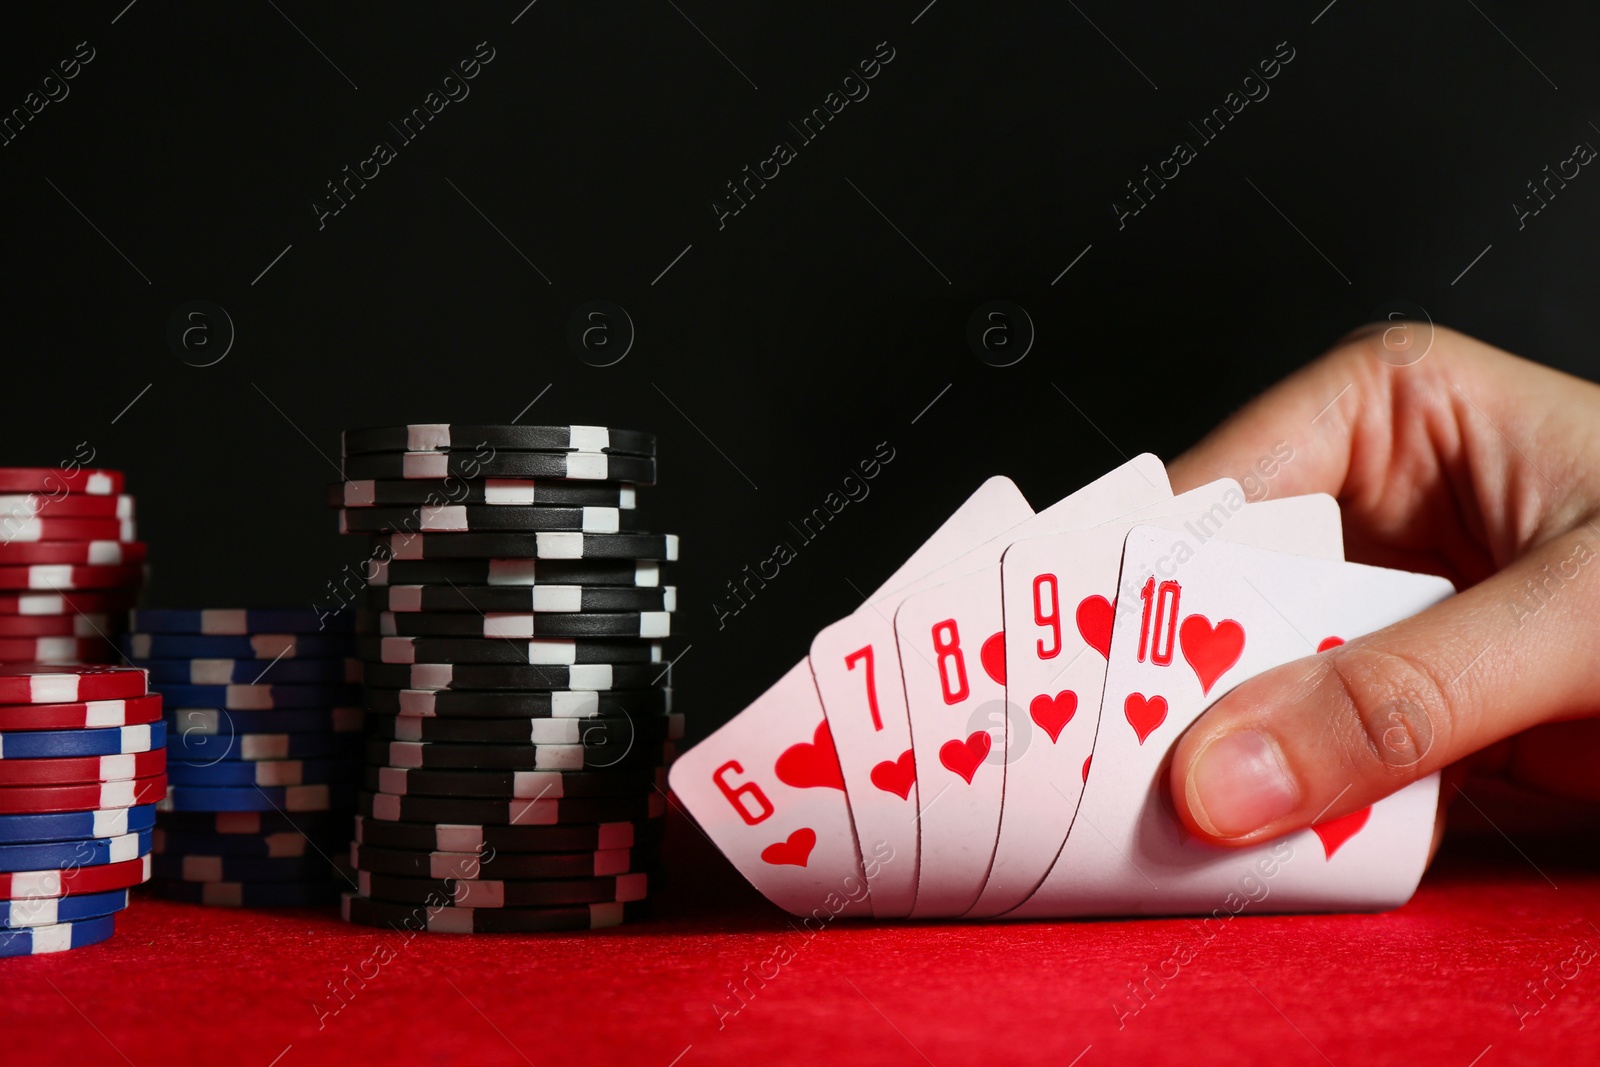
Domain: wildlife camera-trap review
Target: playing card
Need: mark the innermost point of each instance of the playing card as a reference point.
(1207, 620)
(1059, 593)
(766, 788)
(950, 644)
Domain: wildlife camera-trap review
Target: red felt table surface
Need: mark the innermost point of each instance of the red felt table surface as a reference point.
(1435, 982)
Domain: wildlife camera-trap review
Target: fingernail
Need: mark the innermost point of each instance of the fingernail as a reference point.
(1239, 784)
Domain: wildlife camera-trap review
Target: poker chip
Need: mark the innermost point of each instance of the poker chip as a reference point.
(44, 684)
(514, 704)
(254, 823)
(93, 601)
(509, 624)
(516, 492)
(67, 770)
(47, 911)
(491, 864)
(593, 676)
(65, 506)
(509, 785)
(55, 625)
(56, 649)
(248, 894)
(14, 529)
(463, 893)
(22, 885)
(619, 749)
(448, 920)
(286, 798)
(210, 748)
(166, 672)
(548, 730)
(575, 466)
(282, 843)
(57, 480)
(520, 599)
(40, 744)
(37, 940)
(194, 723)
(534, 546)
(463, 518)
(386, 807)
(80, 715)
(73, 825)
(516, 572)
(482, 839)
(247, 697)
(124, 793)
(438, 437)
(87, 852)
(275, 772)
(199, 868)
(239, 622)
(56, 555)
(82, 579)
(243, 646)
(507, 651)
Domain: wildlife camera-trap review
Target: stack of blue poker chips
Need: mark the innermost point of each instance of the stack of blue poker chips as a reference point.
(264, 717)
(82, 764)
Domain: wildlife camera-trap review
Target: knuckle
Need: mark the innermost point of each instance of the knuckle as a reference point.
(1392, 708)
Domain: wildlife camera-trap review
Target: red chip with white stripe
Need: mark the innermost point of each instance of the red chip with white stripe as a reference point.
(32, 528)
(92, 625)
(71, 553)
(68, 603)
(57, 649)
(92, 796)
(27, 885)
(55, 480)
(40, 683)
(54, 577)
(80, 715)
(68, 770)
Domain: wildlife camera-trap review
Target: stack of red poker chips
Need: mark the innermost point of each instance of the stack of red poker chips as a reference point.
(70, 564)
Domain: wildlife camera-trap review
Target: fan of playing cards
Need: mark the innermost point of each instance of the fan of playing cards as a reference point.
(988, 736)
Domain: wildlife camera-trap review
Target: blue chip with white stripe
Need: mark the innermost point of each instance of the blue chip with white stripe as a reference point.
(258, 798)
(47, 911)
(37, 940)
(272, 772)
(242, 646)
(233, 622)
(75, 825)
(246, 697)
(109, 741)
(251, 671)
(62, 855)
(187, 724)
(212, 748)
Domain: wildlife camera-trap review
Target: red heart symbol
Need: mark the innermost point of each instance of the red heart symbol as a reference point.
(896, 776)
(1144, 713)
(1053, 713)
(1095, 615)
(993, 655)
(795, 851)
(1086, 760)
(811, 766)
(1336, 832)
(1329, 642)
(963, 757)
(1210, 651)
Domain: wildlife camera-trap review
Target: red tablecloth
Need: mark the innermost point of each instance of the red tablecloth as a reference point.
(1437, 982)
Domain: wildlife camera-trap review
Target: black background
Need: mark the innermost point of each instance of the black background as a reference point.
(783, 348)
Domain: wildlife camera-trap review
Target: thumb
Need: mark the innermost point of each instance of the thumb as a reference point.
(1332, 733)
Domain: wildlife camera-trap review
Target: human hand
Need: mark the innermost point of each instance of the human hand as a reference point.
(1470, 463)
